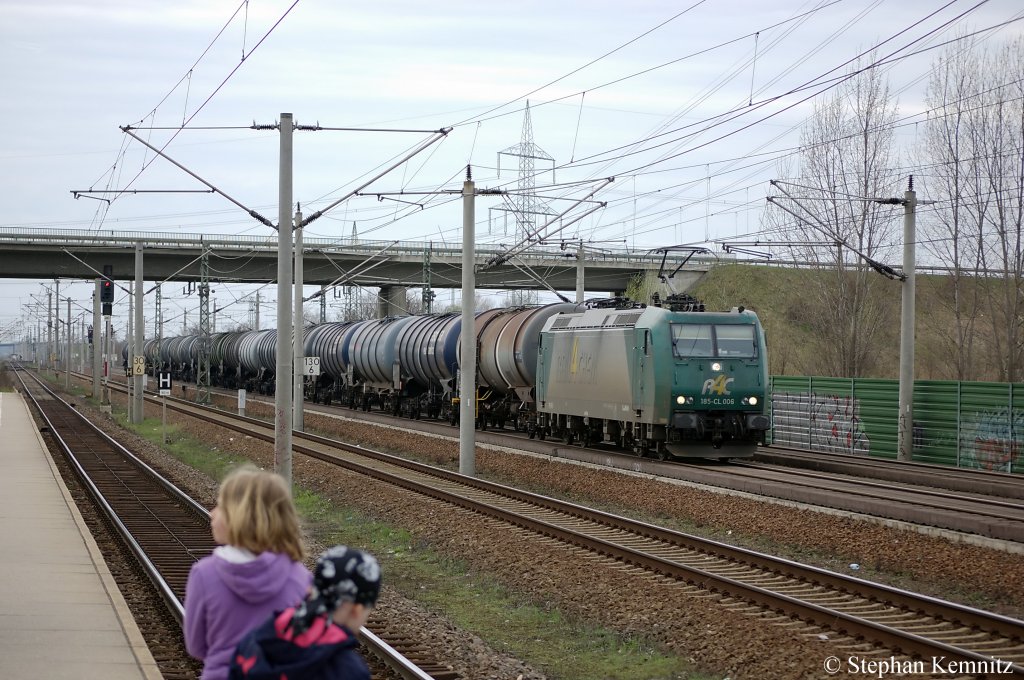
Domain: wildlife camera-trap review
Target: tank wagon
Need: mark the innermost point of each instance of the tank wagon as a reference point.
(661, 380)
(409, 365)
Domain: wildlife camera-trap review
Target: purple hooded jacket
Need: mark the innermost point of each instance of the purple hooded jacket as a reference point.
(231, 592)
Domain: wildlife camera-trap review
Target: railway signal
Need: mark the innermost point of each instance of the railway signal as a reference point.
(107, 285)
(107, 289)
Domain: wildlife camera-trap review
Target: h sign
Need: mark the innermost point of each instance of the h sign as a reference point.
(165, 384)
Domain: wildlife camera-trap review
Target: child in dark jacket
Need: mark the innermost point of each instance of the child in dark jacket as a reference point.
(316, 640)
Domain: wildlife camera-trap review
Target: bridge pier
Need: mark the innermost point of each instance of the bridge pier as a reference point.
(392, 301)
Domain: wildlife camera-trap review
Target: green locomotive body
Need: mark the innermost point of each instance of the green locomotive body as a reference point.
(655, 381)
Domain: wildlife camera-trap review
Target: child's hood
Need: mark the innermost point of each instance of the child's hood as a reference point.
(256, 580)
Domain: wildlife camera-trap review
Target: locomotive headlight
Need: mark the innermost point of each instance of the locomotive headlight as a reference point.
(753, 401)
(680, 400)
(716, 366)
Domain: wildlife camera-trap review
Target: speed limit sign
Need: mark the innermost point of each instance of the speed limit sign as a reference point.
(138, 365)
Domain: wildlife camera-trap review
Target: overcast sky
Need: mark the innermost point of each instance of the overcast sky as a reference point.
(633, 90)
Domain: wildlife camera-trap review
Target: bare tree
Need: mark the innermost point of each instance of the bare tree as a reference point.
(846, 157)
(1005, 171)
(975, 147)
(947, 232)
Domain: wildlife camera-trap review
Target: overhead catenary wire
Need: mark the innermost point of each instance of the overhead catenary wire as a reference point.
(218, 88)
(732, 114)
(849, 75)
(387, 219)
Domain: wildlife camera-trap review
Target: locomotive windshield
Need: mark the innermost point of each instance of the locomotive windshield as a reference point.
(719, 340)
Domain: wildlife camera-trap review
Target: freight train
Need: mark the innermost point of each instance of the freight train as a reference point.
(666, 379)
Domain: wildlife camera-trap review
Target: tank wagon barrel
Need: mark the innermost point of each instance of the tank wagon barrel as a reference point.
(217, 343)
(427, 348)
(324, 341)
(508, 348)
(151, 350)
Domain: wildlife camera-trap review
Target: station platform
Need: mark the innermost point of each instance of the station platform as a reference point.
(61, 613)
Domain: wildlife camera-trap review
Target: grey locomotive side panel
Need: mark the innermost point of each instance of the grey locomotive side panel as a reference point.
(586, 372)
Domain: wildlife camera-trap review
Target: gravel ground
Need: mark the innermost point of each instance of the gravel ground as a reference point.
(726, 640)
(467, 654)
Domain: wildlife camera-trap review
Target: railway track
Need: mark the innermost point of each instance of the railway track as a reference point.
(165, 529)
(971, 502)
(996, 517)
(966, 480)
(895, 620)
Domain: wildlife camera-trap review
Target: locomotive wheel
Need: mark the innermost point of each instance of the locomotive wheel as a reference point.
(660, 452)
(532, 433)
(541, 435)
(567, 436)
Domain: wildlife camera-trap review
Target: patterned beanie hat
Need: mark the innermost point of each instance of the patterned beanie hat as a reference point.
(342, 574)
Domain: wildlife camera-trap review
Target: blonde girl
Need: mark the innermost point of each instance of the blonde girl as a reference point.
(255, 570)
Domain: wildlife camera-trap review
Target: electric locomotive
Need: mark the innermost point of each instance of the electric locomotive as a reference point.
(670, 380)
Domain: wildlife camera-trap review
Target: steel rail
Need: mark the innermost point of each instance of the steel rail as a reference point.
(908, 642)
(881, 486)
(980, 521)
(994, 482)
(170, 599)
(387, 654)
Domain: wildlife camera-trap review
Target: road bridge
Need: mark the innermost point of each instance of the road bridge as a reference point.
(80, 254)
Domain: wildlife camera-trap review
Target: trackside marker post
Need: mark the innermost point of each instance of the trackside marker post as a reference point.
(165, 391)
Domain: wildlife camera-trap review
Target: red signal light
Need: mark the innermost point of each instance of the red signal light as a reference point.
(107, 292)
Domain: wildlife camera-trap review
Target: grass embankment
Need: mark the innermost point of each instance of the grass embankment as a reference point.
(791, 307)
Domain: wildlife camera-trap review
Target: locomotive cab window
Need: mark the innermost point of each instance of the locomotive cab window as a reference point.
(692, 340)
(704, 340)
(736, 341)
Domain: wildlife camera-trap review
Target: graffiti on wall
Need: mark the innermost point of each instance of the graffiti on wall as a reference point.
(991, 439)
(819, 422)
